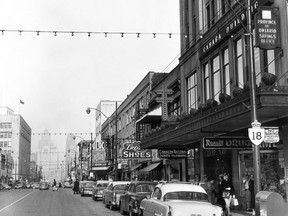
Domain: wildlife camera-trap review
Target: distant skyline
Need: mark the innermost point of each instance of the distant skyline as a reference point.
(58, 77)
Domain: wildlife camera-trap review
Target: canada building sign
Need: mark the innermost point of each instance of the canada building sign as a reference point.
(267, 30)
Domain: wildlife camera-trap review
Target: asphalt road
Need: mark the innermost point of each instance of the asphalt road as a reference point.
(34, 202)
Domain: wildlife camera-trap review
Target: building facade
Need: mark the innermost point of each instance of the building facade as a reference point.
(204, 130)
(15, 142)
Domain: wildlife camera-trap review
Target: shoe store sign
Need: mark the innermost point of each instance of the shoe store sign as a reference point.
(133, 150)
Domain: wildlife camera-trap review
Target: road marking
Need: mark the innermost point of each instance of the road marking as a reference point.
(16, 201)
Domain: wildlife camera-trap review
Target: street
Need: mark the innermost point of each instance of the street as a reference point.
(34, 202)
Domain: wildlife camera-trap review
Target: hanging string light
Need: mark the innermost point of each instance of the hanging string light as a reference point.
(73, 33)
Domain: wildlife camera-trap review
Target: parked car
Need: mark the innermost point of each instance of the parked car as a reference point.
(20, 185)
(28, 185)
(35, 185)
(137, 191)
(97, 191)
(179, 199)
(85, 187)
(4, 186)
(112, 193)
(44, 186)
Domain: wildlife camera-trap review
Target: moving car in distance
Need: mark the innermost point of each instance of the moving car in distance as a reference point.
(137, 191)
(173, 199)
(112, 193)
(97, 191)
(44, 186)
(85, 187)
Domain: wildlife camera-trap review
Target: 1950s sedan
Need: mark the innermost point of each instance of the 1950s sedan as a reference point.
(137, 191)
(112, 193)
(173, 199)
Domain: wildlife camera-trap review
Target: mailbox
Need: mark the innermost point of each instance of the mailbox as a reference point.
(269, 204)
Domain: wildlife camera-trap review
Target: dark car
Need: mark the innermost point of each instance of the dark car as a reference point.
(97, 191)
(112, 193)
(137, 191)
(20, 185)
(44, 186)
(85, 187)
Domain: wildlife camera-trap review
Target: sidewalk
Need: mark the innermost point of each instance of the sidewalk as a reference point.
(241, 213)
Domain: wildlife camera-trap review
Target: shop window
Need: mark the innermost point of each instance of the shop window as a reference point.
(272, 174)
(192, 91)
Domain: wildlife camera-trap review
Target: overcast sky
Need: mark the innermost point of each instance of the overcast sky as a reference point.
(58, 77)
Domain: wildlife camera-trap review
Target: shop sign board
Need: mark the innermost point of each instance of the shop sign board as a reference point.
(267, 28)
(271, 135)
(133, 150)
(226, 143)
(173, 153)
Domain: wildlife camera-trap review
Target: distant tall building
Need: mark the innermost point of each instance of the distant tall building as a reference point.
(48, 158)
(15, 143)
(70, 158)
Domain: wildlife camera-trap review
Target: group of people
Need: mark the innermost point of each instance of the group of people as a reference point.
(221, 191)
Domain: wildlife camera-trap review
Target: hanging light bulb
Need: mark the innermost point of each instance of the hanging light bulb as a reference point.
(138, 35)
(170, 35)
(20, 32)
(89, 34)
(105, 34)
(55, 33)
(38, 33)
(122, 34)
(154, 35)
(2, 32)
(72, 34)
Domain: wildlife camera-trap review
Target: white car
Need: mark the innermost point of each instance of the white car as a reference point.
(175, 199)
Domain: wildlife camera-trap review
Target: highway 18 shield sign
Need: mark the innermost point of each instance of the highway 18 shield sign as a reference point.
(256, 133)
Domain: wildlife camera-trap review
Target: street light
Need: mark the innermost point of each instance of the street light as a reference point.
(88, 110)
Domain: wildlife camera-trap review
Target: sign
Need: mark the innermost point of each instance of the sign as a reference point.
(271, 135)
(256, 133)
(267, 28)
(226, 143)
(173, 153)
(133, 150)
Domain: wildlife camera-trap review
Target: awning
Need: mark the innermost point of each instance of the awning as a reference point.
(135, 167)
(155, 115)
(150, 167)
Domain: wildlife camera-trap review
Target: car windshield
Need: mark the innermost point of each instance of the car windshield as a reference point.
(145, 188)
(186, 195)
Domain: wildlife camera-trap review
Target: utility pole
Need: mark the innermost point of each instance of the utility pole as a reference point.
(116, 143)
(256, 148)
(91, 149)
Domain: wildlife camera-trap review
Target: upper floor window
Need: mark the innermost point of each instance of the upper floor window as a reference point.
(216, 78)
(192, 91)
(226, 73)
(206, 82)
(174, 108)
(5, 125)
(239, 63)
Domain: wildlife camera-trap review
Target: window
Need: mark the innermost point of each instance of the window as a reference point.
(208, 18)
(226, 74)
(239, 63)
(174, 108)
(216, 78)
(192, 91)
(206, 82)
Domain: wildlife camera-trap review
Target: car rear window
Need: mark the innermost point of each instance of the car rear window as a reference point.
(145, 188)
(186, 195)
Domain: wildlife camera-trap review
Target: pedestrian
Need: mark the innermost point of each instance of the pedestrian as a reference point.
(76, 187)
(227, 192)
(209, 187)
(247, 192)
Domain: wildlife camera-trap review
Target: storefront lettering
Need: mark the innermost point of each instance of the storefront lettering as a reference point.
(215, 152)
(136, 154)
(210, 44)
(229, 143)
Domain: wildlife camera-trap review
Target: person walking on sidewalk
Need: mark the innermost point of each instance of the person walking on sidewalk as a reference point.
(249, 186)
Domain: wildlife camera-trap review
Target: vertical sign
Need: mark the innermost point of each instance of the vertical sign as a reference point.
(267, 28)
